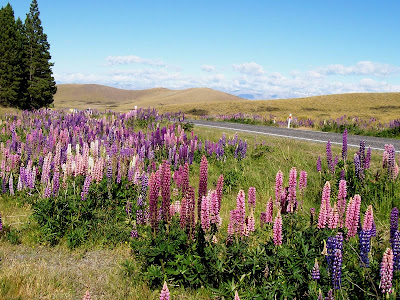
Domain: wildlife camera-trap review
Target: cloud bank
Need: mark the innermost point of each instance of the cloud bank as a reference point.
(247, 78)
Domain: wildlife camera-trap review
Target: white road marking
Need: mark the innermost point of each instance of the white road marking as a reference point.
(286, 136)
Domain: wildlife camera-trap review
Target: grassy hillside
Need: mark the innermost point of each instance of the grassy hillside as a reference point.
(204, 101)
(383, 106)
(103, 97)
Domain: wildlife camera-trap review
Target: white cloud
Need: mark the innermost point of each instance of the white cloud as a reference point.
(361, 68)
(251, 79)
(208, 68)
(250, 68)
(133, 59)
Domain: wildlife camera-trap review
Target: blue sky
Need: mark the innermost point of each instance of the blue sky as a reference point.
(262, 49)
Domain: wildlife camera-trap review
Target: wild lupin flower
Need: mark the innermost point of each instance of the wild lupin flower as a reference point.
(303, 181)
(394, 222)
(165, 190)
(367, 159)
(278, 230)
(56, 183)
(202, 182)
(386, 272)
(344, 145)
(154, 188)
(292, 190)
(329, 157)
(205, 213)
(315, 274)
(333, 218)
(396, 251)
(47, 191)
(342, 194)
(86, 186)
(134, 232)
(11, 185)
(353, 216)
(319, 164)
(86, 296)
(1, 223)
(214, 208)
(251, 222)
(339, 240)
(330, 295)
(358, 167)
(220, 188)
(237, 295)
(368, 219)
(365, 247)
(252, 198)
(330, 248)
(269, 211)
(337, 270)
(164, 295)
(278, 187)
(325, 207)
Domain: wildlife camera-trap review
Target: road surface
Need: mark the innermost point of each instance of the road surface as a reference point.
(307, 135)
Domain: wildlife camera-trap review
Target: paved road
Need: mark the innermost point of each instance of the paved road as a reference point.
(307, 135)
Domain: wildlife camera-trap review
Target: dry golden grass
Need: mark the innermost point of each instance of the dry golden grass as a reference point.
(100, 97)
(198, 101)
(383, 106)
(57, 273)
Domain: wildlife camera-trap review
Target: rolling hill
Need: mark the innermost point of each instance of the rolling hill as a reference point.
(103, 97)
(205, 101)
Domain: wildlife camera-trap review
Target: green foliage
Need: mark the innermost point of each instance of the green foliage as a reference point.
(97, 218)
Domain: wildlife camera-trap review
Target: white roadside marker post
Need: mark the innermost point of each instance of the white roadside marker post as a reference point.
(289, 120)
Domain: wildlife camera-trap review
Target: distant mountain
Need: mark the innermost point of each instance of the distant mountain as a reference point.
(104, 97)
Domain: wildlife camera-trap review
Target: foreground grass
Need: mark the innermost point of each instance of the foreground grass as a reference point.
(31, 271)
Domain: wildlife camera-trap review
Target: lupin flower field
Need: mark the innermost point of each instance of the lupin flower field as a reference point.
(193, 215)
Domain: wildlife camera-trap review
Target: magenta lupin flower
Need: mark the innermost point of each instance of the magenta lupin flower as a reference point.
(86, 296)
(1, 223)
(342, 195)
(368, 219)
(240, 207)
(220, 188)
(325, 208)
(11, 185)
(333, 218)
(164, 295)
(252, 198)
(269, 211)
(251, 222)
(214, 209)
(165, 190)
(183, 212)
(319, 164)
(205, 213)
(352, 216)
(292, 190)
(303, 181)
(386, 272)
(202, 182)
(277, 230)
(237, 295)
(278, 186)
(185, 179)
(153, 199)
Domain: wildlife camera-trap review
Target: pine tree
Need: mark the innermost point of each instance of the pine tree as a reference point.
(11, 73)
(41, 84)
(23, 69)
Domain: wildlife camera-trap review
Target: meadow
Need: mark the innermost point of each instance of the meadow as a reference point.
(120, 205)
